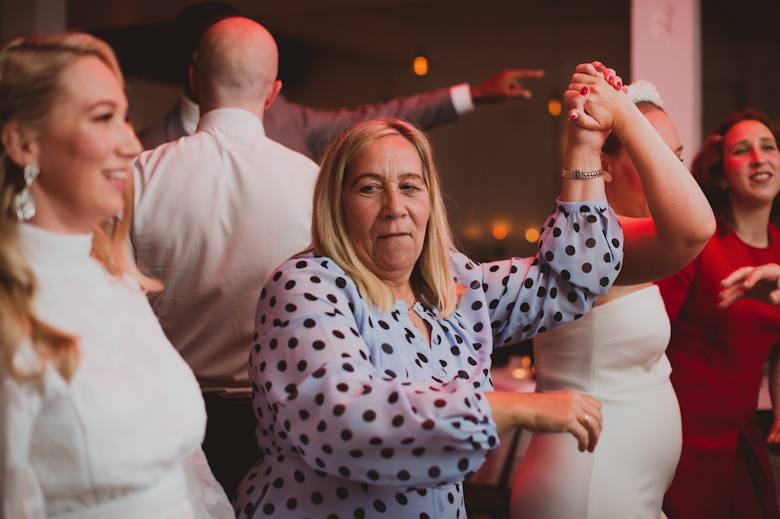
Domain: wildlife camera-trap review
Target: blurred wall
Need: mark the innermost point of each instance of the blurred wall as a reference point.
(741, 58)
(666, 50)
(19, 17)
(500, 164)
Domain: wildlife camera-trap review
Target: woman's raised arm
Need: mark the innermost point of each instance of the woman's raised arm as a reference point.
(582, 174)
(682, 221)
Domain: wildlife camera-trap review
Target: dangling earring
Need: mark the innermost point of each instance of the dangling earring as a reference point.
(23, 204)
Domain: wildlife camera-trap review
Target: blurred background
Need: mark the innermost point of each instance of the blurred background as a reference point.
(500, 164)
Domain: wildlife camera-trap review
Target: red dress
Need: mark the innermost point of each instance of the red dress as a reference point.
(717, 358)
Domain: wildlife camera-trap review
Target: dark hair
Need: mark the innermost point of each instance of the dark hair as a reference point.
(709, 172)
(189, 26)
(612, 145)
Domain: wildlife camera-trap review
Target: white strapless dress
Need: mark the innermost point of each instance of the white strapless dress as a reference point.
(615, 353)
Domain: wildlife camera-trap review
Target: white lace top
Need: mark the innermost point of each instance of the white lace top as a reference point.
(122, 439)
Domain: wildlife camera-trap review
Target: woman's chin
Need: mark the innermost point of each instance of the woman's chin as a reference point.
(394, 266)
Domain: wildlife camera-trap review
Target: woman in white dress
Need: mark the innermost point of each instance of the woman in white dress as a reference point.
(100, 417)
(615, 353)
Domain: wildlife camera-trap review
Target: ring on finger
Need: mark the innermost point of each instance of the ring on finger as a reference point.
(586, 418)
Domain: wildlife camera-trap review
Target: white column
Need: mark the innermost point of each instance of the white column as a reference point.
(19, 17)
(666, 50)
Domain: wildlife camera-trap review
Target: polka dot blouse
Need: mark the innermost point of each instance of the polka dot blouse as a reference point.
(358, 416)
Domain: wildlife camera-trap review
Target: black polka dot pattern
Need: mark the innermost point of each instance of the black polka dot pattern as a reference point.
(580, 261)
(355, 408)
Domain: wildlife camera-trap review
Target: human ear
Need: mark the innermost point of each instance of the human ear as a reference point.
(20, 144)
(275, 89)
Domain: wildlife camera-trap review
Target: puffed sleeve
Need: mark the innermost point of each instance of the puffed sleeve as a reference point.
(21, 404)
(580, 250)
(317, 387)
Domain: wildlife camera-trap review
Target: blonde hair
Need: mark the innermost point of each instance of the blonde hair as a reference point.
(31, 69)
(432, 278)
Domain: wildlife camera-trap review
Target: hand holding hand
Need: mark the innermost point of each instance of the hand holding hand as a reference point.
(595, 97)
(504, 86)
(581, 124)
(578, 136)
(759, 283)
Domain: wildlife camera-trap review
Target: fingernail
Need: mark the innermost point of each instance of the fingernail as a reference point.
(619, 84)
(574, 115)
(611, 80)
(584, 91)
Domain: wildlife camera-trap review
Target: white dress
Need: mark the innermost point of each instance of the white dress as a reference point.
(615, 353)
(122, 439)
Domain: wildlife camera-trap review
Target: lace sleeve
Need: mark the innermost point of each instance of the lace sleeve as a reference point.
(22, 496)
(206, 495)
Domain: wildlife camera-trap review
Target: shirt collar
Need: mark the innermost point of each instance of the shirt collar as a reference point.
(232, 117)
(190, 113)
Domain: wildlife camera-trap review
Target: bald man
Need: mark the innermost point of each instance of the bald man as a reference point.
(215, 213)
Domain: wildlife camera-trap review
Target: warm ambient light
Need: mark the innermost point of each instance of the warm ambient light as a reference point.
(472, 232)
(532, 235)
(519, 373)
(420, 66)
(499, 232)
(554, 107)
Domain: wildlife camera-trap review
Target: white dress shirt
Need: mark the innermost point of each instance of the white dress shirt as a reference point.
(190, 115)
(215, 213)
(122, 438)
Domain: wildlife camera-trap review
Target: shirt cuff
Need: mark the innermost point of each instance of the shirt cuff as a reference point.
(461, 98)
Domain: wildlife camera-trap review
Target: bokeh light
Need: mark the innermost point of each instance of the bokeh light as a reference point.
(532, 235)
(472, 232)
(499, 232)
(520, 373)
(554, 106)
(420, 65)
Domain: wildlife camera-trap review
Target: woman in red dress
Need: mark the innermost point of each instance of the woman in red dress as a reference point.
(718, 354)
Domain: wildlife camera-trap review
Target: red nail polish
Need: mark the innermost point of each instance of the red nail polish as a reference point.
(611, 80)
(584, 91)
(619, 84)
(574, 115)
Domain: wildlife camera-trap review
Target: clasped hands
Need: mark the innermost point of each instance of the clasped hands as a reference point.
(596, 100)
